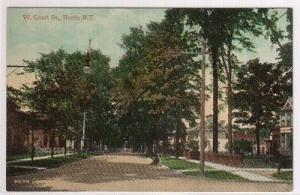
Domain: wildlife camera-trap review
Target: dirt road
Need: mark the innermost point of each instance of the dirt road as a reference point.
(125, 173)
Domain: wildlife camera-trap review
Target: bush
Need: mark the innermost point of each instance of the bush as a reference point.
(242, 146)
(193, 145)
(285, 162)
(225, 158)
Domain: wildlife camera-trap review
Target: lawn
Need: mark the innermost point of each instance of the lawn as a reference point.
(210, 173)
(178, 164)
(28, 155)
(53, 162)
(13, 171)
(16, 157)
(47, 163)
(258, 163)
(286, 175)
(218, 175)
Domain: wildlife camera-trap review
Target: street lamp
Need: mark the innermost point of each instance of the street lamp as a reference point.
(87, 70)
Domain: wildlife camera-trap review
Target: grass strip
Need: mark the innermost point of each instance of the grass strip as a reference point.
(178, 164)
(48, 163)
(212, 174)
(285, 175)
(218, 175)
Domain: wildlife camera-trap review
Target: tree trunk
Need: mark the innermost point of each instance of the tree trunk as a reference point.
(165, 145)
(202, 114)
(65, 152)
(176, 144)
(215, 98)
(32, 145)
(156, 158)
(229, 96)
(229, 116)
(149, 149)
(257, 139)
(52, 143)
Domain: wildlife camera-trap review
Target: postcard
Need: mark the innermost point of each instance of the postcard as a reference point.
(149, 99)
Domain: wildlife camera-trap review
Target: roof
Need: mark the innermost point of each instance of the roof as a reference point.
(36, 120)
(288, 104)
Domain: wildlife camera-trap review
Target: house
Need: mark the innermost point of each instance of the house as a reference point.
(273, 141)
(25, 129)
(169, 144)
(249, 136)
(286, 128)
(192, 135)
(264, 147)
(17, 132)
(281, 137)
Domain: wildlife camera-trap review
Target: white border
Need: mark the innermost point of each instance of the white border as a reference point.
(151, 4)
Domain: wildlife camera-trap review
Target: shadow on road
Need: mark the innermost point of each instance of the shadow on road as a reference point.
(97, 169)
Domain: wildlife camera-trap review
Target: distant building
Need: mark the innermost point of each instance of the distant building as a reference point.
(193, 135)
(286, 128)
(22, 127)
(263, 146)
(281, 138)
(17, 132)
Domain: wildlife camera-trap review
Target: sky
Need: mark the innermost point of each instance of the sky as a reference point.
(31, 31)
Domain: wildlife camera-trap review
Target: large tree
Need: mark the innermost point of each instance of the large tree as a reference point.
(157, 93)
(285, 55)
(220, 28)
(259, 91)
(62, 91)
(239, 36)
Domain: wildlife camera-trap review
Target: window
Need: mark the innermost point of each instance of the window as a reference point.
(282, 141)
(282, 119)
(289, 141)
(288, 119)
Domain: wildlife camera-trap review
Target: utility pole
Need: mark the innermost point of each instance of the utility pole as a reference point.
(202, 111)
(86, 70)
(83, 132)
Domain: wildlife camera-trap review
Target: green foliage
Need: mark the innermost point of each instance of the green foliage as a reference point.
(193, 145)
(156, 83)
(242, 146)
(286, 175)
(259, 91)
(46, 163)
(218, 175)
(285, 55)
(62, 91)
(222, 29)
(259, 162)
(178, 164)
(13, 99)
(154, 92)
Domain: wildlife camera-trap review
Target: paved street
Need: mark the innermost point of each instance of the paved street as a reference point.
(126, 173)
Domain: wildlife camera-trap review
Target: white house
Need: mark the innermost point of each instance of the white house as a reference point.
(286, 128)
(192, 135)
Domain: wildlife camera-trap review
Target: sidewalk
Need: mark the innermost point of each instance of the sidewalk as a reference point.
(37, 158)
(243, 172)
